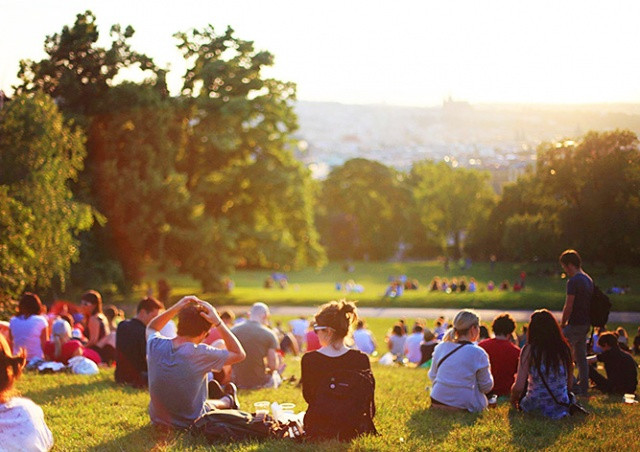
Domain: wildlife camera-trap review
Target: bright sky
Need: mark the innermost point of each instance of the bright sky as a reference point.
(394, 52)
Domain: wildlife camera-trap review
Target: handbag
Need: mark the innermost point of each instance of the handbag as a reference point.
(573, 405)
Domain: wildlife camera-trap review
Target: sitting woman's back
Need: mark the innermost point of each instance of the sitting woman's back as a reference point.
(547, 368)
(29, 329)
(22, 425)
(337, 382)
(460, 370)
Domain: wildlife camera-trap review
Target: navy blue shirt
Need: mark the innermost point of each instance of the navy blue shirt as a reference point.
(131, 353)
(580, 286)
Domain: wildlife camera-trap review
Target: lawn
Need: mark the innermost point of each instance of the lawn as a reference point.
(92, 413)
(544, 286)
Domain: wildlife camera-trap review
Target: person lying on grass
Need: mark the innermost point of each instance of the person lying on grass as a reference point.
(178, 368)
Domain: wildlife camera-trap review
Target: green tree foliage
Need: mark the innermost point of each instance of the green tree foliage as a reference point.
(39, 155)
(594, 185)
(253, 199)
(363, 207)
(583, 194)
(136, 185)
(77, 72)
(449, 202)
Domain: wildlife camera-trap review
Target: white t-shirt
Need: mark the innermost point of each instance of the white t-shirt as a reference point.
(299, 327)
(22, 427)
(170, 330)
(412, 347)
(363, 341)
(26, 334)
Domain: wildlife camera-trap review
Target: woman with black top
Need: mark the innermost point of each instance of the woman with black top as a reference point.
(334, 359)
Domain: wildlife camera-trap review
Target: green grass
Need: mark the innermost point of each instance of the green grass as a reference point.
(310, 287)
(92, 413)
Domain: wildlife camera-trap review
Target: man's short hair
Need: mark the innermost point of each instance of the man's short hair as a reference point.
(191, 323)
(503, 325)
(608, 339)
(417, 328)
(149, 304)
(571, 257)
(259, 310)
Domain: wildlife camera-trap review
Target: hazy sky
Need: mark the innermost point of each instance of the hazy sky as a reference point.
(394, 52)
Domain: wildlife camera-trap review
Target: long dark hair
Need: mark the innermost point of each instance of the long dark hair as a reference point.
(29, 305)
(548, 344)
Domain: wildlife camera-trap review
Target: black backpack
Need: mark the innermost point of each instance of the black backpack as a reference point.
(236, 425)
(343, 407)
(599, 307)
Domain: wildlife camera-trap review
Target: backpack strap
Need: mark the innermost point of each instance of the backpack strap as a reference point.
(549, 391)
(462, 344)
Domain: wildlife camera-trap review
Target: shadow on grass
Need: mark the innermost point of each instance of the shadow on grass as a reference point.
(534, 431)
(44, 396)
(148, 437)
(436, 425)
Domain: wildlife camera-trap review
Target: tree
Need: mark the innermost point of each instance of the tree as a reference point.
(594, 185)
(255, 198)
(363, 207)
(450, 201)
(39, 155)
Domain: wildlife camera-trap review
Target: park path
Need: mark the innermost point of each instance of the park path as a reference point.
(486, 315)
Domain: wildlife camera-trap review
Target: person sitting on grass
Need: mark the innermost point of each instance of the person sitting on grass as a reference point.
(29, 329)
(131, 344)
(22, 425)
(636, 343)
(426, 347)
(62, 348)
(395, 342)
(96, 324)
(503, 354)
(363, 338)
(412, 344)
(263, 363)
(334, 361)
(178, 368)
(460, 370)
(621, 368)
(545, 361)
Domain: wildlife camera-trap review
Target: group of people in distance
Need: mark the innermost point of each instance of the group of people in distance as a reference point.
(202, 364)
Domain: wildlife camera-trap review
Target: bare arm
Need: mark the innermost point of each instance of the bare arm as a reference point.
(94, 331)
(273, 360)
(521, 378)
(44, 336)
(236, 352)
(158, 322)
(567, 309)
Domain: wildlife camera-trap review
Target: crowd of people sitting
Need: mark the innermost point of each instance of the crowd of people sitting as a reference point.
(203, 363)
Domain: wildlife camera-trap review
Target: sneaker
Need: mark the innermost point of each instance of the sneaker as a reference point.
(232, 392)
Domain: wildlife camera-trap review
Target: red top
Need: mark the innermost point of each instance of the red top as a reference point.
(66, 353)
(68, 349)
(313, 343)
(503, 356)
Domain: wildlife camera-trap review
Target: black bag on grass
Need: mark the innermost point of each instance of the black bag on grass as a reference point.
(236, 425)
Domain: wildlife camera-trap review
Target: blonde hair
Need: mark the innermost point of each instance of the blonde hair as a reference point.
(10, 368)
(462, 322)
(60, 330)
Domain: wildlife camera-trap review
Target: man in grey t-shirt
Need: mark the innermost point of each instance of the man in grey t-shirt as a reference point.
(178, 367)
(261, 345)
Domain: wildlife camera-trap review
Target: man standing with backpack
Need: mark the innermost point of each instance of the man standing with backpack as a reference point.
(576, 314)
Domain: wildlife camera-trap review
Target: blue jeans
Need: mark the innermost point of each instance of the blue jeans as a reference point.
(577, 337)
